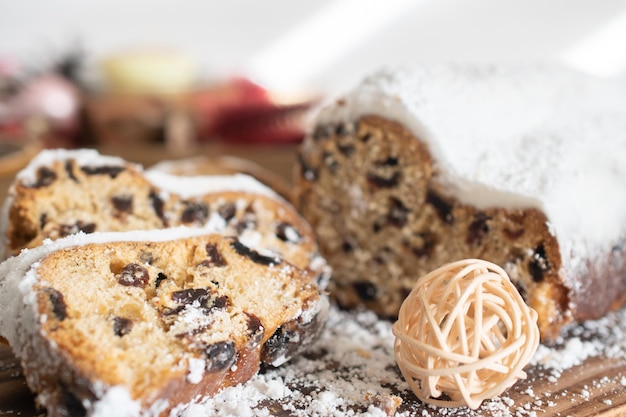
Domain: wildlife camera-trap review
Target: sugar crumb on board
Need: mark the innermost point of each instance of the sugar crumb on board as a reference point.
(351, 371)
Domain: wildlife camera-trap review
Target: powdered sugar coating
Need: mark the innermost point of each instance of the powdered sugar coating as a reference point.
(86, 157)
(514, 136)
(198, 185)
(183, 186)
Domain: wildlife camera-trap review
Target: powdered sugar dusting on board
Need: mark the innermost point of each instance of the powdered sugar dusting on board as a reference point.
(351, 371)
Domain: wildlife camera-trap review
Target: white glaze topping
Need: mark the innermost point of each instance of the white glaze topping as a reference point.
(187, 187)
(183, 186)
(514, 136)
(85, 157)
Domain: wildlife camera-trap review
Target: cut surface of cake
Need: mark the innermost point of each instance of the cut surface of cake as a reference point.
(521, 165)
(62, 192)
(137, 323)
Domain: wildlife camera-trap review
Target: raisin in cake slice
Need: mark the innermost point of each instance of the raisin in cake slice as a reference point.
(136, 323)
(62, 192)
(520, 165)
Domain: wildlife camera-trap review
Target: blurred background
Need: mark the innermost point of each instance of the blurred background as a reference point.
(81, 73)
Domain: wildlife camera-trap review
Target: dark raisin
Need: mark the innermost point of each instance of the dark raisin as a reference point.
(253, 255)
(79, 226)
(160, 278)
(227, 211)
(347, 246)
(346, 150)
(379, 224)
(190, 295)
(122, 326)
(322, 132)
(538, 265)
(287, 233)
(365, 138)
(220, 302)
(288, 339)
(478, 229)
(86, 227)
(59, 308)
(423, 245)
(398, 213)
(45, 177)
(521, 289)
(72, 405)
(392, 161)
(194, 212)
(220, 355)
(441, 206)
(248, 221)
(158, 205)
(123, 203)
(308, 172)
(404, 292)
(111, 171)
(215, 257)
(202, 297)
(133, 275)
(382, 182)
(280, 345)
(341, 129)
(43, 219)
(69, 168)
(256, 331)
(385, 173)
(366, 290)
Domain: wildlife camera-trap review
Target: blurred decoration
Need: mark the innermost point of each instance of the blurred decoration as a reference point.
(41, 102)
(236, 111)
(149, 71)
(241, 111)
(144, 96)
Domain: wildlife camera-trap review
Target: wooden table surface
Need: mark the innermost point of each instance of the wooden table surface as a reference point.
(597, 387)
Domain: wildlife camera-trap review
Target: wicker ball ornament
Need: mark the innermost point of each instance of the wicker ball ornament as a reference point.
(464, 334)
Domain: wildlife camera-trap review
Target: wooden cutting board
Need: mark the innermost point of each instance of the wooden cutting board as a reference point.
(596, 387)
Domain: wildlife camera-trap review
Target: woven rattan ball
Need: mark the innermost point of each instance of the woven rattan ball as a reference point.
(464, 334)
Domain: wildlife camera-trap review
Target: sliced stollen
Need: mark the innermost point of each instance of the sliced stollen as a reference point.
(63, 191)
(140, 323)
(521, 165)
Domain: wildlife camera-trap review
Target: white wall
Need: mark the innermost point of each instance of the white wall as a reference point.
(226, 35)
